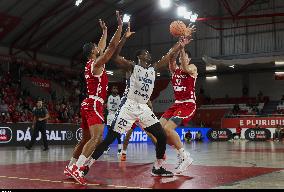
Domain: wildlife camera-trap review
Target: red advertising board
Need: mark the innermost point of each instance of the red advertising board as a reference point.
(250, 122)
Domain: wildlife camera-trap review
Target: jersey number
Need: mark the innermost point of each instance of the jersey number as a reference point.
(122, 122)
(145, 87)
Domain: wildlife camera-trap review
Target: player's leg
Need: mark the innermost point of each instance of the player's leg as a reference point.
(96, 132)
(122, 122)
(110, 138)
(152, 125)
(78, 150)
(126, 142)
(182, 113)
(119, 144)
(96, 128)
(107, 150)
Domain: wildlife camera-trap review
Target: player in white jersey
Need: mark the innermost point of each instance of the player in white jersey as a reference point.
(134, 105)
(113, 103)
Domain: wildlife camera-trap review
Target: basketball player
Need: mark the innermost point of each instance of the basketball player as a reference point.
(112, 105)
(134, 105)
(181, 112)
(79, 147)
(92, 107)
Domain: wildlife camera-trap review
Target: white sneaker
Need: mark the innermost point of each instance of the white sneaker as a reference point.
(186, 161)
(67, 174)
(106, 152)
(179, 161)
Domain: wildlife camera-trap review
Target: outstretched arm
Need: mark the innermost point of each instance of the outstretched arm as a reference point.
(119, 60)
(183, 41)
(173, 63)
(110, 49)
(166, 58)
(102, 42)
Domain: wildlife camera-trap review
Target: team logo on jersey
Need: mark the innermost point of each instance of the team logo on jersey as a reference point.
(178, 81)
(146, 75)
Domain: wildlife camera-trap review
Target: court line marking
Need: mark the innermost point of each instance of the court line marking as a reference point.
(70, 182)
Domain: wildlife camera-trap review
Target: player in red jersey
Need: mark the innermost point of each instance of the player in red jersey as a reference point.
(92, 107)
(181, 112)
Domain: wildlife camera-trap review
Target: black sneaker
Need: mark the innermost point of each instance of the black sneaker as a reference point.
(45, 149)
(162, 172)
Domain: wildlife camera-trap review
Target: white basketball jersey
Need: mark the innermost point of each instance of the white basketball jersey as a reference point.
(113, 103)
(141, 84)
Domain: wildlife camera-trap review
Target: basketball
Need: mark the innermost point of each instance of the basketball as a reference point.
(178, 28)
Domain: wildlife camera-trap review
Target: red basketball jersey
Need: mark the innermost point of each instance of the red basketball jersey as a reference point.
(97, 85)
(184, 85)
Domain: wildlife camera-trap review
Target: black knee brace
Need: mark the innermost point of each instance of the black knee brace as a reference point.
(111, 136)
(157, 131)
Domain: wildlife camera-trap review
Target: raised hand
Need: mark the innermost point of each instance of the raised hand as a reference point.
(103, 25)
(128, 32)
(119, 18)
(190, 30)
(185, 41)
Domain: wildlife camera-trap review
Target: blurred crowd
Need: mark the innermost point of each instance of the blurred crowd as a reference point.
(16, 104)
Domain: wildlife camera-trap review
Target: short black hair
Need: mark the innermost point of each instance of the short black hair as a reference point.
(87, 49)
(39, 99)
(139, 52)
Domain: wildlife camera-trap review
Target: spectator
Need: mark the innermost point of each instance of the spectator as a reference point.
(188, 137)
(278, 135)
(198, 136)
(237, 133)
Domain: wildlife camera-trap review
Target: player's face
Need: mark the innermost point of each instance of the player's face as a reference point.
(95, 50)
(114, 90)
(146, 57)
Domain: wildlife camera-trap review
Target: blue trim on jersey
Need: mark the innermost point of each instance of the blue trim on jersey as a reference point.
(123, 101)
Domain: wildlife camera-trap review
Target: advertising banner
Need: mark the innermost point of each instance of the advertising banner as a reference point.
(68, 134)
(251, 122)
(219, 134)
(257, 134)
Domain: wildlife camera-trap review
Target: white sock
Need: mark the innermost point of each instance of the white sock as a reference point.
(123, 152)
(158, 163)
(181, 152)
(82, 159)
(72, 161)
(119, 146)
(87, 161)
(91, 162)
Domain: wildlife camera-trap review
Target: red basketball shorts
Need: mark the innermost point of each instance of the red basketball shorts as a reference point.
(91, 113)
(184, 111)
